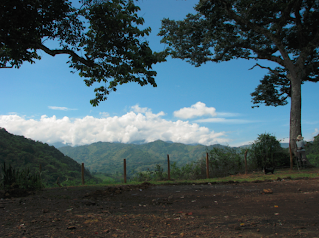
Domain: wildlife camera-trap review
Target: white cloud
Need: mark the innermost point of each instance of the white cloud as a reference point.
(60, 108)
(227, 114)
(138, 124)
(197, 110)
(223, 120)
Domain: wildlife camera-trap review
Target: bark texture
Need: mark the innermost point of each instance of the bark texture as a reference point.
(295, 111)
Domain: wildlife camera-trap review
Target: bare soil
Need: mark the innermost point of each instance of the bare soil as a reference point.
(280, 208)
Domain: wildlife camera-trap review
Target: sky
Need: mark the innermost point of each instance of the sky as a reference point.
(210, 104)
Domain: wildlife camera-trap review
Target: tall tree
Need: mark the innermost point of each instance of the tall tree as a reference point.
(280, 31)
(102, 38)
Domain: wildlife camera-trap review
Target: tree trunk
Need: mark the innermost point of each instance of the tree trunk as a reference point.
(295, 113)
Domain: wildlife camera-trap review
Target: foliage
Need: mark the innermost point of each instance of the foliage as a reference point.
(156, 175)
(283, 32)
(312, 151)
(107, 158)
(226, 161)
(267, 152)
(225, 30)
(103, 39)
(273, 90)
(11, 178)
(190, 170)
(23, 153)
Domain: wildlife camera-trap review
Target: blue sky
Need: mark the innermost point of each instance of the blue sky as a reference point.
(208, 105)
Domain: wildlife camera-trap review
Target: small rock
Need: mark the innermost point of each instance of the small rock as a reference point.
(88, 202)
(45, 210)
(71, 227)
(267, 191)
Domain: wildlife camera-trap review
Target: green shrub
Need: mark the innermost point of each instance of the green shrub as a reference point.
(15, 179)
(312, 151)
(225, 161)
(267, 152)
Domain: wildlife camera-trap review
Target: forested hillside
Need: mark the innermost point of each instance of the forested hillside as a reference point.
(22, 153)
(106, 157)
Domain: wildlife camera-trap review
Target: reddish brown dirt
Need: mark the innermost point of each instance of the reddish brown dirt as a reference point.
(286, 208)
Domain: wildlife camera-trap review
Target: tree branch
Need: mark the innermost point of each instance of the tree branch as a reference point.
(6, 67)
(263, 67)
(75, 57)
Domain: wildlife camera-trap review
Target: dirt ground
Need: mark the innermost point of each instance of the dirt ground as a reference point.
(280, 208)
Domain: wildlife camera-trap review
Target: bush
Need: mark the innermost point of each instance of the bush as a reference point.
(189, 171)
(143, 176)
(16, 179)
(266, 151)
(312, 151)
(226, 161)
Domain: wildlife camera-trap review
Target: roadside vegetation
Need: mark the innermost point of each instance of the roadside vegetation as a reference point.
(21, 157)
(20, 169)
(224, 162)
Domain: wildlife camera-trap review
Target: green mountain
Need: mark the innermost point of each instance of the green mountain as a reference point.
(106, 157)
(22, 153)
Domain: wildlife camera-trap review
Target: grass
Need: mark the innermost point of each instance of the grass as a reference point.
(251, 177)
(241, 178)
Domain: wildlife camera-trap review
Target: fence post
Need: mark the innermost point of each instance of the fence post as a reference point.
(124, 170)
(40, 168)
(207, 166)
(246, 170)
(168, 168)
(82, 171)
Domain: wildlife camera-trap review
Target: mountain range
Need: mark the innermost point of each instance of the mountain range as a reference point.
(106, 157)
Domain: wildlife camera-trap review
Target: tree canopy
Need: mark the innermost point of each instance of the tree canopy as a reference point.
(285, 32)
(267, 152)
(102, 38)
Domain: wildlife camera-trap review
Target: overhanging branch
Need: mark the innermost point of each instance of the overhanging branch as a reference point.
(6, 67)
(263, 67)
(74, 56)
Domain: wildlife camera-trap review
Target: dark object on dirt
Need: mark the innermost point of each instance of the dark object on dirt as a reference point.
(269, 170)
(267, 191)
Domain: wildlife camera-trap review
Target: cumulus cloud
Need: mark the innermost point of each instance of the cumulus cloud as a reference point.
(60, 108)
(197, 110)
(138, 124)
(200, 109)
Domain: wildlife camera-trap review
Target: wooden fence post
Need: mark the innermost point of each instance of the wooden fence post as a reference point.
(124, 170)
(40, 168)
(246, 170)
(168, 168)
(82, 171)
(207, 166)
